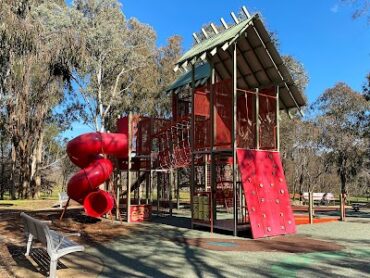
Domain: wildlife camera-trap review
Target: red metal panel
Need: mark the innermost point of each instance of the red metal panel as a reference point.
(266, 193)
(223, 119)
(140, 213)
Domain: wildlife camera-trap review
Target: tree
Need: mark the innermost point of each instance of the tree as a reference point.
(117, 50)
(361, 8)
(296, 136)
(298, 72)
(36, 62)
(339, 114)
(168, 56)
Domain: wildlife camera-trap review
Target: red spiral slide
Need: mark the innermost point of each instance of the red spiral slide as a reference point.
(86, 151)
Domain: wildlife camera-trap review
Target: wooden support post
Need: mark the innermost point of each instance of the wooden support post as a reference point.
(213, 129)
(129, 174)
(147, 182)
(170, 187)
(205, 174)
(342, 204)
(257, 119)
(118, 216)
(277, 119)
(151, 187)
(192, 173)
(150, 173)
(64, 209)
(310, 207)
(241, 203)
(138, 193)
(233, 136)
(177, 189)
(158, 191)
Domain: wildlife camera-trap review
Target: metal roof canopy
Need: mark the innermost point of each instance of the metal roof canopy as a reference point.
(202, 73)
(259, 64)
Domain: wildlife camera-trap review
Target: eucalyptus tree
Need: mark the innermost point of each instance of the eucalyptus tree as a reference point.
(36, 62)
(361, 8)
(167, 57)
(119, 68)
(340, 113)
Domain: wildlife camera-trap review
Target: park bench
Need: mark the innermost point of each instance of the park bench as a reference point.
(320, 198)
(356, 206)
(63, 199)
(57, 244)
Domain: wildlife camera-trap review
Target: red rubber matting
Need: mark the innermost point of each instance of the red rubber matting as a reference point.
(266, 193)
(303, 219)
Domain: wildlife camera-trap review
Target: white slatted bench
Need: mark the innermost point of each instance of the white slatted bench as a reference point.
(57, 244)
(324, 198)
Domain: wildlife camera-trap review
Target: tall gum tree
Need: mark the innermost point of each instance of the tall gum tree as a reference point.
(117, 50)
(36, 62)
(340, 115)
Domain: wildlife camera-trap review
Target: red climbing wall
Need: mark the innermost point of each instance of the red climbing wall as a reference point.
(266, 193)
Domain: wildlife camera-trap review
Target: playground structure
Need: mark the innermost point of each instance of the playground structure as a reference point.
(224, 133)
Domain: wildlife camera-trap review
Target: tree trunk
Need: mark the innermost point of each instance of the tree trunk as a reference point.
(343, 182)
(100, 99)
(36, 175)
(12, 173)
(2, 179)
(2, 173)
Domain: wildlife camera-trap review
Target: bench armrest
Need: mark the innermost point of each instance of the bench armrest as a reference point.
(46, 221)
(63, 236)
(71, 234)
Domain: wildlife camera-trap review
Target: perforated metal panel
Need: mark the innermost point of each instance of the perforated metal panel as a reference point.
(266, 193)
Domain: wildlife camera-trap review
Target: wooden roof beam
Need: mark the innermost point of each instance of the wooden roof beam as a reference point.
(214, 28)
(224, 23)
(246, 12)
(205, 33)
(234, 18)
(196, 38)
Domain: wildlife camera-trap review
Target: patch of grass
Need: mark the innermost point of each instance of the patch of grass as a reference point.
(361, 199)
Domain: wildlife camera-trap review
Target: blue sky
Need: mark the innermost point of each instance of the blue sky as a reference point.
(321, 34)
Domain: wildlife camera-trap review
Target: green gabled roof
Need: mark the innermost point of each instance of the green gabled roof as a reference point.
(202, 73)
(259, 64)
(216, 40)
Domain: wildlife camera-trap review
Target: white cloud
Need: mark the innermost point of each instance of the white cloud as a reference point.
(335, 8)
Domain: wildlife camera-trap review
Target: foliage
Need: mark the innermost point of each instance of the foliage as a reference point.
(122, 67)
(340, 117)
(361, 8)
(36, 62)
(60, 63)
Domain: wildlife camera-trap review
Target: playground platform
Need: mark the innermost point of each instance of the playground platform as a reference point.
(166, 247)
(168, 251)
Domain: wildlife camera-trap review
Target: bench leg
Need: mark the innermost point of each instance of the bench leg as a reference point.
(53, 268)
(29, 244)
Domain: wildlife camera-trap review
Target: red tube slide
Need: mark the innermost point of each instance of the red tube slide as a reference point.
(86, 151)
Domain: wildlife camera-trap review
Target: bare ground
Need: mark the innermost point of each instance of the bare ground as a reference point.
(13, 263)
